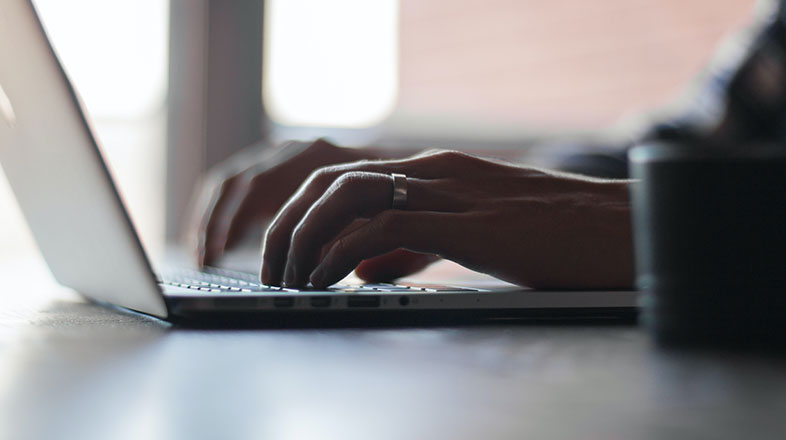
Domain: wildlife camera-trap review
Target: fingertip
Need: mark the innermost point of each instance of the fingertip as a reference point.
(210, 257)
(271, 269)
(207, 259)
(289, 275)
(264, 275)
(317, 277)
(203, 258)
(197, 255)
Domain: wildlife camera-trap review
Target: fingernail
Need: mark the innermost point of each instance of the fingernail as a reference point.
(289, 275)
(265, 275)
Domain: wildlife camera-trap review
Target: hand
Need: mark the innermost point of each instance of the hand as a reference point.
(248, 189)
(393, 265)
(527, 226)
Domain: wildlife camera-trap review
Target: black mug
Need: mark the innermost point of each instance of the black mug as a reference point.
(710, 242)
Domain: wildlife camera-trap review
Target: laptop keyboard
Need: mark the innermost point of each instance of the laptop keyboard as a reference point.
(214, 280)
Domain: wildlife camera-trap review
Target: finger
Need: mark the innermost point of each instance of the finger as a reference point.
(250, 210)
(276, 241)
(354, 195)
(214, 228)
(427, 232)
(432, 166)
(214, 221)
(269, 183)
(241, 220)
(279, 233)
(357, 223)
(198, 208)
(393, 265)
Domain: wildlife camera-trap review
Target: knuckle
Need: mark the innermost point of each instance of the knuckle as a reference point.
(441, 157)
(324, 176)
(256, 179)
(387, 222)
(432, 151)
(349, 181)
(453, 155)
(226, 186)
(320, 143)
(220, 176)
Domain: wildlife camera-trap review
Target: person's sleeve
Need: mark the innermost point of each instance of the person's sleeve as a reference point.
(741, 97)
(738, 100)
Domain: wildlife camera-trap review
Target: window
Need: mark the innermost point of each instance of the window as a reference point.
(116, 56)
(461, 65)
(330, 63)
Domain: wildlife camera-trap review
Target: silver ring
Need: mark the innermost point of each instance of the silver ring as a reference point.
(399, 191)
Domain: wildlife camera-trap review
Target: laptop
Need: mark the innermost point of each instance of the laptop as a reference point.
(66, 193)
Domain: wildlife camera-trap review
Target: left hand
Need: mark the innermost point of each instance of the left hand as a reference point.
(248, 189)
(527, 226)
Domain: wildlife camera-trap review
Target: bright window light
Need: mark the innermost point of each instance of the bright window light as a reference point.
(112, 51)
(116, 54)
(330, 63)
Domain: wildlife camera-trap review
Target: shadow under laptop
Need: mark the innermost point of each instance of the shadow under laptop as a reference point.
(382, 319)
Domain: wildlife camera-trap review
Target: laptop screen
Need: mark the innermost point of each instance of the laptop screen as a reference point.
(58, 176)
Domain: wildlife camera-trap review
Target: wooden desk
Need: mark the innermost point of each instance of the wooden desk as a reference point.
(70, 369)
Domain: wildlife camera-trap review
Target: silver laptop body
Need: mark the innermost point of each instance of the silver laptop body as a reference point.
(65, 191)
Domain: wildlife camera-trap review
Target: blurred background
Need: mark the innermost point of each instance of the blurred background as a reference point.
(173, 87)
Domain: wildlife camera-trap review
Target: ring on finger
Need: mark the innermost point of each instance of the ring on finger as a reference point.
(399, 191)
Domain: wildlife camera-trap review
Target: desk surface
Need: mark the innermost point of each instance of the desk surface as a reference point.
(70, 369)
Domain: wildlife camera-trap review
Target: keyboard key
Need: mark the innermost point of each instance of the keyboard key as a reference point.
(449, 289)
(220, 280)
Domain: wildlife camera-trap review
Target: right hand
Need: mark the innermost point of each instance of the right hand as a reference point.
(248, 189)
(528, 226)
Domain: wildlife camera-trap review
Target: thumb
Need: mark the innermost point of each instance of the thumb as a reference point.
(395, 264)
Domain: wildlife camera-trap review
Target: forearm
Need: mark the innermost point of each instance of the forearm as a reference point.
(590, 243)
(574, 235)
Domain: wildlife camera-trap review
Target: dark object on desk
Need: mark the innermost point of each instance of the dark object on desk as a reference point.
(710, 241)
